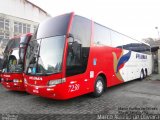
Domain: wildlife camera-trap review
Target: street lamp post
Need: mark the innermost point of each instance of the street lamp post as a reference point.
(158, 52)
(157, 31)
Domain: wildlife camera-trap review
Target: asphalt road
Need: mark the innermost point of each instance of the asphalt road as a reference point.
(136, 97)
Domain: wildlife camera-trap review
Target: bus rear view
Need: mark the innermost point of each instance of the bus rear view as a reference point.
(13, 66)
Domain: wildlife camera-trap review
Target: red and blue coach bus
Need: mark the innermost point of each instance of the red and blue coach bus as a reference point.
(13, 66)
(70, 55)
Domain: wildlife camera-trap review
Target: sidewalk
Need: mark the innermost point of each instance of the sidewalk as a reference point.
(155, 77)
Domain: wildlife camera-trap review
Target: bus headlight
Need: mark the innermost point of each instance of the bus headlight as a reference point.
(15, 80)
(55, 82)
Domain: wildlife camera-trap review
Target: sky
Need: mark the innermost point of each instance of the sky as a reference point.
(135, 18)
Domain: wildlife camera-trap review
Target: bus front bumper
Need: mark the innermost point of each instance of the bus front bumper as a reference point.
(53, 92)
(14, 86)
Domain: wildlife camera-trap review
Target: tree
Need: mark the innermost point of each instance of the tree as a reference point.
(152, 41)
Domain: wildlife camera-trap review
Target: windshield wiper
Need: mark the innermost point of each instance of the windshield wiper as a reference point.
(38, 74)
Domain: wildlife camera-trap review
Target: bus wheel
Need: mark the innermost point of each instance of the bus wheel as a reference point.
(142, 75)
(98, 87)
(146, 72)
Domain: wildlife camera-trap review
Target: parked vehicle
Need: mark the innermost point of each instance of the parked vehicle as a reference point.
(71, 55)
(13, 66)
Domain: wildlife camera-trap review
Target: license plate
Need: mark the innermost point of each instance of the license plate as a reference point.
(36, 91)
(15, 83)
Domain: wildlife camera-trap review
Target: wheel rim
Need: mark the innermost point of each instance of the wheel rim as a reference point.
(99, 86)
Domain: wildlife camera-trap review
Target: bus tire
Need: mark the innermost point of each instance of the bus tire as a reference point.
(142, 75)
(99, 87)
(146, 73)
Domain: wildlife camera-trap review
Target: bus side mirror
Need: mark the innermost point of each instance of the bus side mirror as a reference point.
(33, 61)
(22, 45)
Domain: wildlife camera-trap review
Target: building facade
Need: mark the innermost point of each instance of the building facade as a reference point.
(19, 17)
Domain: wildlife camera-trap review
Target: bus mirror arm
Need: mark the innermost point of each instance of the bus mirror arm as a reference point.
(71, 36)
(3, 53)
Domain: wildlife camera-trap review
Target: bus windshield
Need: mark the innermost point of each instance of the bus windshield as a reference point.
(44, 56)
(12, 62)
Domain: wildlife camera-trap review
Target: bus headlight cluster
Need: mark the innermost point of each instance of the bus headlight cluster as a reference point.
(16, 80)
(2, 79)
(55, 82)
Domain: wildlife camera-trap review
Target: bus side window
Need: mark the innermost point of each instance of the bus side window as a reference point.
(77, 53)
(74, 62)
(78, 49)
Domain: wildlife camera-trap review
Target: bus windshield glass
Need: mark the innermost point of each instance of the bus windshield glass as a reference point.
(12, 62)
(44, 56)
